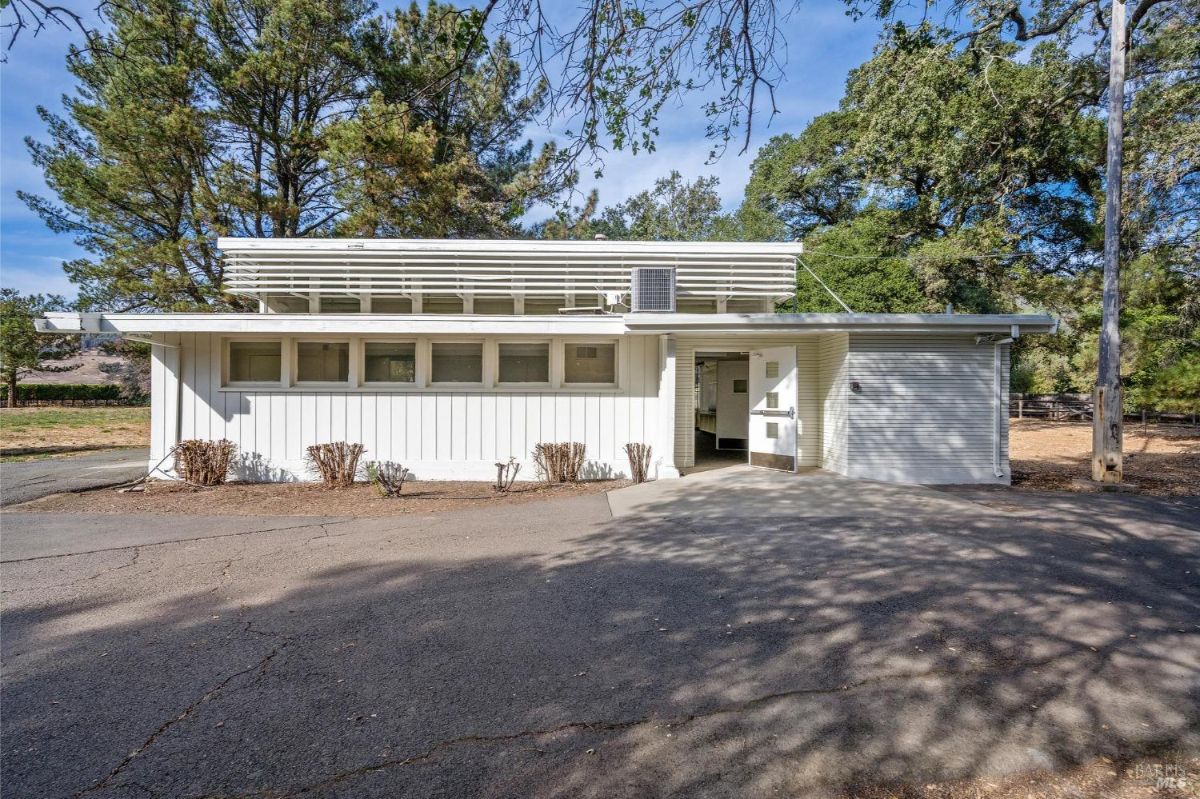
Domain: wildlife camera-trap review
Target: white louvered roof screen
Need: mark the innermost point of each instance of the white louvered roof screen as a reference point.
(498, 268)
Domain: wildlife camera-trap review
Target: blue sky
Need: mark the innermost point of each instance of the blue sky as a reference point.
(823, 44)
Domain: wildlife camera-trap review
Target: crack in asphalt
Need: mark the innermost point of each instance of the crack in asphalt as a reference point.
(137, 552)
(342, 520)
(260, 666)
(627, 724)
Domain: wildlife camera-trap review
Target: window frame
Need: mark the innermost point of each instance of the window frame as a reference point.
(351, 380)
(227, 360)
(339, 298)
(562, 375)
(386, 385)
(423, 344)
(486, 364)
(547, 383)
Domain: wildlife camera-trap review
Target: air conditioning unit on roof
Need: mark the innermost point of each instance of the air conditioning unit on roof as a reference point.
(652, 289)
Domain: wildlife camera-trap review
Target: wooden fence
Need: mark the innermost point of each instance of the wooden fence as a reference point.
(1078, 408)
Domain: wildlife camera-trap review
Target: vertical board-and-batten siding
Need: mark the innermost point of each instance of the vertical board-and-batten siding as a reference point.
(927, 409)
(808, 404)
(438, 434)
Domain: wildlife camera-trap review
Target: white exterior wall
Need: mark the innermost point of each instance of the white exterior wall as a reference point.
(930, 410)
(439, 433)
(834, 387)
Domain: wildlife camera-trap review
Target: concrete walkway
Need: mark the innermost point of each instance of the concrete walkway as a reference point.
(22, 481)
(742, 633)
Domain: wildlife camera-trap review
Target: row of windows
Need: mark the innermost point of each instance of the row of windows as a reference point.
(450, 362)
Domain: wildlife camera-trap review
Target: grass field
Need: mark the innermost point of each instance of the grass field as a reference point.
(40, 432)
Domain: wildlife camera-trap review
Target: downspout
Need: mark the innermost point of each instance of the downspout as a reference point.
(997, 399)
(178, 394)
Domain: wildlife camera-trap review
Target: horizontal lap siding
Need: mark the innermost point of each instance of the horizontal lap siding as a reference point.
(449, 433)
(685, 404)
(1002, 417)
(926, 410)
(808, 403)
(833, 390)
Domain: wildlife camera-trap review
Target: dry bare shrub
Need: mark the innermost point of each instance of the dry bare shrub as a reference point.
(204, 463)
(559, 462)
(387, 476)
(336, 462)
(639, 460)
(506, 475)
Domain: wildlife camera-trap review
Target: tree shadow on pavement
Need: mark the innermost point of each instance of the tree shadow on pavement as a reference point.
(741, 638)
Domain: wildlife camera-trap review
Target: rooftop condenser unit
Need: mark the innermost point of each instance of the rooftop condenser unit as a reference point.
(652, 289)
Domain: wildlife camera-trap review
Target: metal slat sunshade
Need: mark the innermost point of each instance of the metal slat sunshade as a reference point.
(502, 267)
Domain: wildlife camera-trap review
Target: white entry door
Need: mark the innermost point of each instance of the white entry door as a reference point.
(773, 408)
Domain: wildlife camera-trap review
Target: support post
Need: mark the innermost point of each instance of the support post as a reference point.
(1107, 418)
(664, 445)
(166, 396)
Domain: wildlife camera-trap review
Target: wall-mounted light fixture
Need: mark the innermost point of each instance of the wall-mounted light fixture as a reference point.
(855, 386)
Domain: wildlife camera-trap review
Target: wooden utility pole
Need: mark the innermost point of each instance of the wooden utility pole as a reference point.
(1107, 417)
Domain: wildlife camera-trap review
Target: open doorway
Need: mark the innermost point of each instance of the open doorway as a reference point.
(722, 407)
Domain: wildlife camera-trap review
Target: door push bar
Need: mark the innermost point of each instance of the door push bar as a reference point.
(789, 413)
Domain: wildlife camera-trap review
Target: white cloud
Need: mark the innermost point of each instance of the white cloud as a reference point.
(31, 279)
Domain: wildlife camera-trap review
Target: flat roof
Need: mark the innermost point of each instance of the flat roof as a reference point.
(834, 322)
(560, 324)
(350, 324)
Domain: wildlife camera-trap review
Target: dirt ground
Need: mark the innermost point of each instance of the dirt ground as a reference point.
(1048, 456)
(87, 366)
(306, 499)
(46, 431)
(1164, 777)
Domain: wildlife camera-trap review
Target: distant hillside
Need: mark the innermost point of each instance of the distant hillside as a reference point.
(84, 368)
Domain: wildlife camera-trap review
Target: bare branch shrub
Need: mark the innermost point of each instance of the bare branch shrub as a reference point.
(387, 476)
(559, 462)
(204, 463)
(639, 460)
(506, 475)
(336, 462)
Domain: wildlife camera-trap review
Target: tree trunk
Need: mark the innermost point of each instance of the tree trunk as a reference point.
(1107, 417)
(12, 391)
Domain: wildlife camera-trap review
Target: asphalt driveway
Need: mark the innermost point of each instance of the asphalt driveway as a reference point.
(735, 633)
(22, 481)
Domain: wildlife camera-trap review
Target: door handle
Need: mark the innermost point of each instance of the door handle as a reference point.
(789, 413)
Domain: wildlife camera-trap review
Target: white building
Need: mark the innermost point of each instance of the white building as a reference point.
(448, 356)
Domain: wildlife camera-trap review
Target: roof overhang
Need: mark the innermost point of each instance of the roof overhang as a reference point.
(1008, 324)
(341, 324)
(563, 324)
